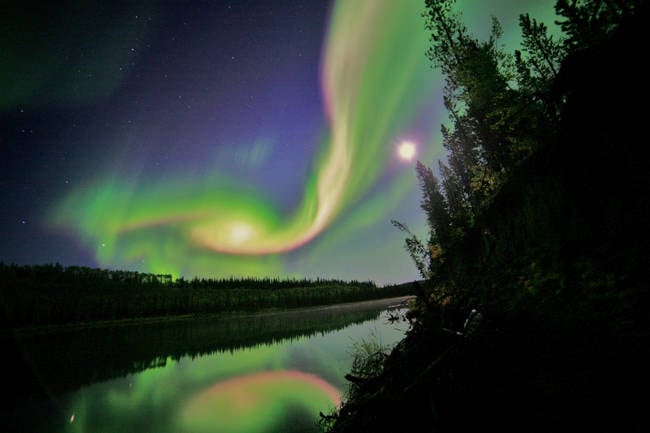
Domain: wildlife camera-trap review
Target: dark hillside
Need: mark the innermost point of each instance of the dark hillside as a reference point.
(557, 262)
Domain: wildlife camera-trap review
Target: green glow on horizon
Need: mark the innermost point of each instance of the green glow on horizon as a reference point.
(372, 83)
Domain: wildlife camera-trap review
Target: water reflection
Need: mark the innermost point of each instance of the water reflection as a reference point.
(265, 373)
(257, 402)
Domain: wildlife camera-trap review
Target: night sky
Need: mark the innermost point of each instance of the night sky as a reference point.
(221, 138)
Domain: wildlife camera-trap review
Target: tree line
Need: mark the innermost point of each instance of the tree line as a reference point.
(54, 294)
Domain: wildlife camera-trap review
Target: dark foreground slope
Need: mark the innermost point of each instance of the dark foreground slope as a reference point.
(571, 354)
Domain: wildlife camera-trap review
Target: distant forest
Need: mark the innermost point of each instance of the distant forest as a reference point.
(52, 294)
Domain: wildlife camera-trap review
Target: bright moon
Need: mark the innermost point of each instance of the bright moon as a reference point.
(406, 150)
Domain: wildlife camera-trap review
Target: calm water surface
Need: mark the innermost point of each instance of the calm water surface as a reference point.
(262, 373)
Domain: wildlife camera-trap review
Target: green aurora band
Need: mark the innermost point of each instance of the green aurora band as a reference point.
(375, 82)
(372, 83)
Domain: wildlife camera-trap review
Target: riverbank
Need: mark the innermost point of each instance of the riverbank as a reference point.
(549, 368)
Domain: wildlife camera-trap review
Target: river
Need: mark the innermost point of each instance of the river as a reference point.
(268, 372)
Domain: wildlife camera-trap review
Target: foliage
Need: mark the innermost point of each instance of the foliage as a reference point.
(368, 359)
(587, 23)
(492, 209)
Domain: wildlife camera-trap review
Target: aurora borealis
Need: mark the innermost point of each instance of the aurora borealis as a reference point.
(231, 139)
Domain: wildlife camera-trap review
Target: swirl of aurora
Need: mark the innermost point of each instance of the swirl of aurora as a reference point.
(371, 79)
